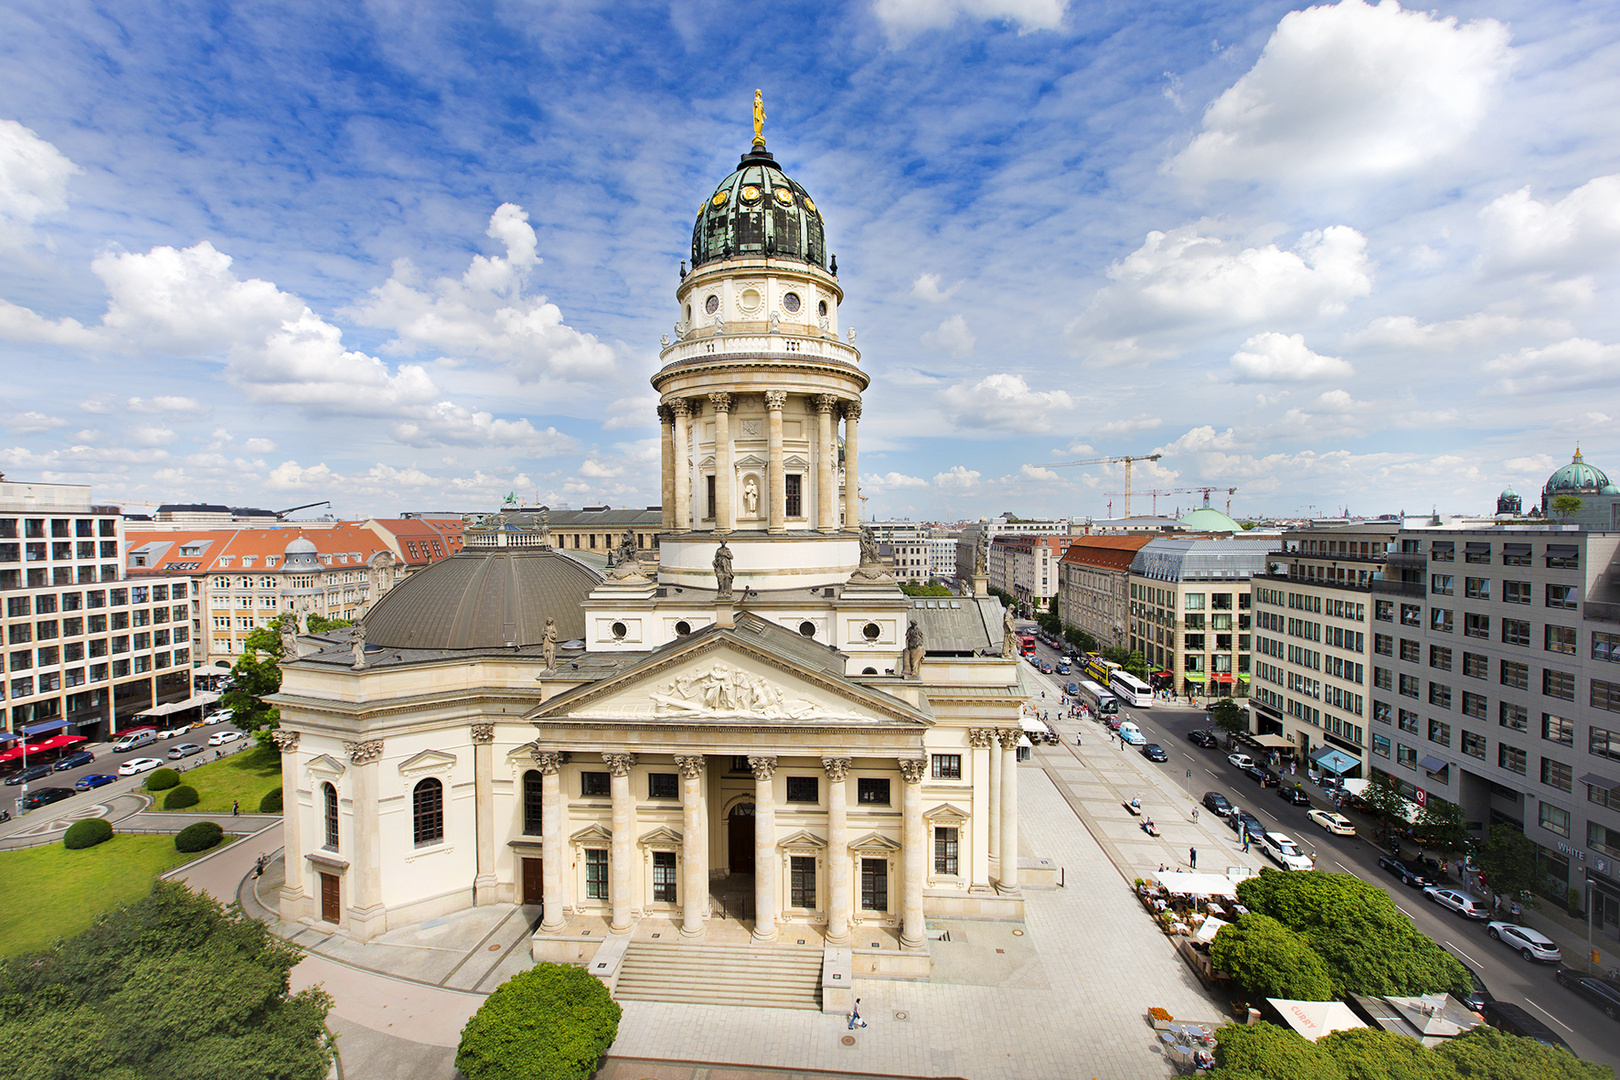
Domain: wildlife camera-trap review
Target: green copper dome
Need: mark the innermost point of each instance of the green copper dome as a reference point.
(1209, 519)
(1575, 478)
(759, 211)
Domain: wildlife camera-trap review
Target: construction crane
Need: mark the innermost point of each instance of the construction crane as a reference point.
(1127, 461)
(1204, 491)
(281, 515)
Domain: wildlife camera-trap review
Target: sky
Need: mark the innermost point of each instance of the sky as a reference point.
(409, 257)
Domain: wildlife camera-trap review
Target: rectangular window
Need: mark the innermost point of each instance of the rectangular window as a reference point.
(1411, 651)
(1407, 721)
(1383, 645)
(1411, 615)
(663, 868)
(1558, 684)
(1604, 743)
(1441, 584)
(664, 785)
(1439, 733)
(1405, 755)
(1597, 836)
(1476, 666)
(708, 482)
(1560, 639)
(1473, 745)
(1605, 695)
(1443, 551)
(1554, 819)
(1515, 675)
(945, 852)
(1380, 745)
(1440, 620)
(1440, 657)
(1516, 592)
(1440, 695)
(872, 791)
(1475, 625)
(947, 767)
(793, 488)
(597, 785)
(1515, 632)
(533, 802)
(1558, 775)
(875, 884)
(1510, 758)
(802, 881)
(1515, 554)
(1384, 610)
(1409, 686)
(1557, 729)
(1477, 588)
(596, 873)
(1475, 705)
(1606, 647)
(803, 789)
(1513, 716)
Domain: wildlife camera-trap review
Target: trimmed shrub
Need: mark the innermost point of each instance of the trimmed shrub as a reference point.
(86, 833)
(198, 837)
(271, 803)
(162, 780)
(552, 1022)
(181, 797)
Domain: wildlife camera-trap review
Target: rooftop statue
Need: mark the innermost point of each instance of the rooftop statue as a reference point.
(759, 118)
(722, 571)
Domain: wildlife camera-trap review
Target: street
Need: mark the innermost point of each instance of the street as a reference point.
(1509, 978)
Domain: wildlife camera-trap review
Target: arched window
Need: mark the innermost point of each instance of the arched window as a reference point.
(427, 812)
(330, 813)
(532, 800)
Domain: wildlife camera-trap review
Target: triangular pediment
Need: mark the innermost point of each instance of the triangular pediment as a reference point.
(874, 843)
(325, 765)
(794, 461)
(592, 834)
(751, 461)
(946, 812)
(802, 840)
(659, 837)
(427, 761)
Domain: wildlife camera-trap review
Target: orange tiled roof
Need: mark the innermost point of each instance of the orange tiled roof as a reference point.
(1106, 552)
(347, 544)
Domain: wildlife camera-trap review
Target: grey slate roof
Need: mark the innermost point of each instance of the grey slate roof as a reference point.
(958, 625)
(1202, 559)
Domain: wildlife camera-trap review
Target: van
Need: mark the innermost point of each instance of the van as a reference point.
(139, 737)
(1516, 1021)
(1130, 733)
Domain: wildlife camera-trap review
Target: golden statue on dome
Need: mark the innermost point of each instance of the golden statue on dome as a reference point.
(759, 118)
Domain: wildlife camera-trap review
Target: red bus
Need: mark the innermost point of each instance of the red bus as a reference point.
(1026, 642)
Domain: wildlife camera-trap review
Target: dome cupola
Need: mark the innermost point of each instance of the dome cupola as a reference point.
(1576, 478)
(301, 554)
(759, 211)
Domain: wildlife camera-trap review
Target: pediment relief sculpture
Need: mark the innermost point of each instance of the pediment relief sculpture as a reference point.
(727, 691)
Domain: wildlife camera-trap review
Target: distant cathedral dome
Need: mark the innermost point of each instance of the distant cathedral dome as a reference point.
(1577, 478)
(759, 211)
(1209, 519)
(301, 554)
(1509, 502)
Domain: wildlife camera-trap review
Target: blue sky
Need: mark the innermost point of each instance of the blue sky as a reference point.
(417, 256)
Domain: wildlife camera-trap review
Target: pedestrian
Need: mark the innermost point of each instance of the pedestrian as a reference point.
(1192, 858)
(1195, 815)
(855, 1019)
(236, 808)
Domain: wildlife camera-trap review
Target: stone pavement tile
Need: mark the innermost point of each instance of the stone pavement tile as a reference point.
(369, 1055)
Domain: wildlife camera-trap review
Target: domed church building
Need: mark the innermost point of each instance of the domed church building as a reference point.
(758, 737)
(1600, 499)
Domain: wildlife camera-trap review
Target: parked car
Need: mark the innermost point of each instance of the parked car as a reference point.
(1202, 737)
(1531, 944)
(93, 780)
(33, 772)
(74, 760)
(1478, 994)
(1242, 761)
(138, 765)
(1606, 995)
(1284, 852)
(1154, 752)
(1516, 1020)
(1217, 804)
(1407, 872)
(185, 749)
(172, 732)
(1262, 776)
(135, 738)
(1337, 824)
(1257, 830)
(1293, 795)
(45, 796)
(220, 738)
(210, 719)
(1460, 902)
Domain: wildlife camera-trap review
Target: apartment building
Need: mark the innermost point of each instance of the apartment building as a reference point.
(1094, 586)
(967, 541)
(1026, 567)
(942, 555)
(1190, 610)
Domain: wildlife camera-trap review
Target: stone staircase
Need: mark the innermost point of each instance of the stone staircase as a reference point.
(767, 977)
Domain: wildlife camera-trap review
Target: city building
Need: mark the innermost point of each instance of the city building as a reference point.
(1026, 567)
(1599, 499)
(83, 648)
(1094, 586)
(967, 541)
(905, 547)
(942, 555)
(760, 729)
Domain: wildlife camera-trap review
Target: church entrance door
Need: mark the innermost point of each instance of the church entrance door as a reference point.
(740, 839)
(533, 884)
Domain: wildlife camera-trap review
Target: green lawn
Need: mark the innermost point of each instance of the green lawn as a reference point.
(50, 892)
(243, 776)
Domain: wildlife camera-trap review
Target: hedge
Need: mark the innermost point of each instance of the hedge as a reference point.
(181, 797)
(162, 780)
(552, 1022)
(271, 803)
(199, 837)
(86, 833)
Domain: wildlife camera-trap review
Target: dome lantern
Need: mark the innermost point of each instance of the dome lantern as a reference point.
(759, 211)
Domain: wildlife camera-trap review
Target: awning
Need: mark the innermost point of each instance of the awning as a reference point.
(1474, 547)
(7, 737)
(196, 701)
(1197, 884)
(1432, 764)
(1164, 674)
(1599, 781)
(1562, 551)
(40, 729)
(14, 752)
(1334, 761)
(1210, 928)
(1029, 723)
(1220, 676)
(1314, 1019)
(1195, 677)
(1522, 550)
(1272, 742)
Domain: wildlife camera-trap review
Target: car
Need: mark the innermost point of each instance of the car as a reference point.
(1460, 902)
(1478, 993)
(1293, 795)
(1262, 776)
(185, 749)
(74, 760)
(1284, 852)
(1531, 944)
(1154, 752)
(1217, 804)
(1257, 830)
(172, 732)
(93, 780)
(220, 738)
(213, 718)
(1242, 761)
(138, 765)
(1605, 994)
(1046, 669)
(1063, 669)
(1202, 737)
(1408, 873)
(33, 772)
(45, 796)
(1337, 824)
(1518, 1021)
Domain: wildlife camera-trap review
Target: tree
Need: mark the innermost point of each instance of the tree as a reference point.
(1080, 639)
(1269, 1052)
(172, 986)
(257, 675)
(1567, 506)
(1508, 860)
(1269, 960)
(1440, 826)
(1487, 1052)
(1229, 716)
(552, 1022)
(1383, 797)
(320, 624)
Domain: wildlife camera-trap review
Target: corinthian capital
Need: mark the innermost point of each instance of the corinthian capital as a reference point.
(363, 753)
(775, 400)
(764, 767)
(691, 767)
(483, 733)
(721, 402)
(912, 769)
(1009, 738)
(286, 741)
(549, 762)
(680, 407)
(619, 764)
(837, 768)
(826, 403)
(981, 738)
(852, 410)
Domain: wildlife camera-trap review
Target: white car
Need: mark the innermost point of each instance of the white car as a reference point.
(1337, 824)
(138, 765)
(1284, 852)
(1461, 903)
(1531, 944)
(220, 738)
(169, 733)
(1242, 761)
(213, 718)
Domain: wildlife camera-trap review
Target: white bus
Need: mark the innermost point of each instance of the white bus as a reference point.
(1129, 689)
(1104, 703)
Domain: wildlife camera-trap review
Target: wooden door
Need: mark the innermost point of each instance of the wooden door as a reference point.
(533, 881)
(331, 901)
(740, 839)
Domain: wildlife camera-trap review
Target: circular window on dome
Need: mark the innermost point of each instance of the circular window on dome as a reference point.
(784, 196)
(750, 300)
(790, 302)
(719, 199)
(821, 309)
(619, 631)
(683, 628)
(871, 631)
(750, 193)
(807, 628)
(711, 305)
(810, 204)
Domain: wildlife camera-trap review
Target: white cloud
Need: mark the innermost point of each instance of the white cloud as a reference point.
(1579, 230)
(304, 363)
(1002, 402)
(1274, 357)
(259, 446)
(1575, 364)
(33, 423)
(891, 481)
(1129, 426)
(598, 471)
(926, 287)
(632, 412)
(33, 181)
(1406, 332)
(1350, 92)
(152, 435)
(167, 403)
(447, 424)
(1036, 472)
(23, 326)
(904, 17)
(188, 300)
(957, 476)
(1179, 285)
(953, 336)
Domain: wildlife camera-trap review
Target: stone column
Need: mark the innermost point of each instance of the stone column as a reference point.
(981, 740)
(914, 837)
(995, 813)
(367, 916)
(552, 826)
(852, 474)
(682, 464)
(483, 739)
(840, 895)
(764, 848)
(776, 474)
(666, 456)
(292, 887)
(1008, 881)
(826, 466)
(694, 848)
(722, 461)
(621, 868)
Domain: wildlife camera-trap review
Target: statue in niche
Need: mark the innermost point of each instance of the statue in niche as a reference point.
(913, 657)
(548, 643)
(357, 642)
(750, 497)
(722, 571)
(545, 527)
